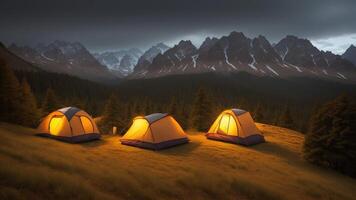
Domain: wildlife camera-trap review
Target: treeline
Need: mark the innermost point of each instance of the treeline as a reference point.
(197, 113)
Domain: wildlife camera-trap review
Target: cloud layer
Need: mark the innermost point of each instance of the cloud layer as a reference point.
(112, 24)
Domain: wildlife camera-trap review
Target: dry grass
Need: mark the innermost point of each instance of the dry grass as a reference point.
(38, 168)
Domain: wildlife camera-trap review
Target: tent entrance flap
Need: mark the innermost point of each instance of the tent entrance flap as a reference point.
(56, 124)
(227, 125)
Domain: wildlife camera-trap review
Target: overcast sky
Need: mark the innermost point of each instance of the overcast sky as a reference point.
(114, 24)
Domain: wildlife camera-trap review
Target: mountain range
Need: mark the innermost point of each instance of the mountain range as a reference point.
(292, 56)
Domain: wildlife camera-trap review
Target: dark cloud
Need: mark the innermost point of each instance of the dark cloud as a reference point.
(115, 24)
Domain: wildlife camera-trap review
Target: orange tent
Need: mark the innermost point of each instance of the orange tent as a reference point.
(69, 124)
(155, 131)
(235, 126)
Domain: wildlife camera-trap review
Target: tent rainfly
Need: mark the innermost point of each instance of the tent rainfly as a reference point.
(235, 126)
(156, 131)
(69, 124)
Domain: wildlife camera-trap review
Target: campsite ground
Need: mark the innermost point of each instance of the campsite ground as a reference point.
(38, 168)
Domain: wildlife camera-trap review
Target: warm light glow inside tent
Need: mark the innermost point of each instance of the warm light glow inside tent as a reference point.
(138, 129)
(56, 124)
(235, 126)
(228, 125)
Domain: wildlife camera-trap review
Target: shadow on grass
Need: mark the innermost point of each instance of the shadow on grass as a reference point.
(275, 149)
(94, 143)
(89, 143)
(181, 150)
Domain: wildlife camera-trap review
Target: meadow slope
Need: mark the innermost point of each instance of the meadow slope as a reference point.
(39, 168)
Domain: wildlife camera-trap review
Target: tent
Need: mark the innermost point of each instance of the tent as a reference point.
(155, 131)
(235, 126)
(69, 124)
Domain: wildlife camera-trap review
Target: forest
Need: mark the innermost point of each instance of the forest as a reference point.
(287, 103)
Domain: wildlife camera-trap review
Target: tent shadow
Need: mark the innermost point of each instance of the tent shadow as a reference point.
(90, 143)
(180, 150)
(93, 143)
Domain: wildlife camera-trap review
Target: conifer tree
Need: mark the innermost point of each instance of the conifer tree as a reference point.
(29, 112)
(331, 141)
(128, 112)
(137, 108)
(148, 108)
(286, 119)
(201, 111)
(178, 112)
(173, 107)
(50, 102)
(258, 114)
(112, 115)
(10, 94)
(144, 107)
(79, 102)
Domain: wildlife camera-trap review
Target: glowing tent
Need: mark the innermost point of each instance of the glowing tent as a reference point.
(69, 124)
(155, 131)
(235, 126)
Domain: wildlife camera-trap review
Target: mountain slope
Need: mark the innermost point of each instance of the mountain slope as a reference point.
(14, 61)
(292, 56)
(64, 57)
(202, 169)
(146, 59)
(350, 54)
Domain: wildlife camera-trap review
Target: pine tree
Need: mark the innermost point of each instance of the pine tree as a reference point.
(173, 108)
(148, 107)
(331, 141)
(137, 108)
(143, 107)
(112, 115)
(29, 111)
(201, 111)
(128, 112)
(286, 119)
(183, 115)
(258, 113)
(9, 94)
(79, 102)
(50, 102)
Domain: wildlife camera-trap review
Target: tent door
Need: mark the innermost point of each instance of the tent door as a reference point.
(227, 125)
(56, 125)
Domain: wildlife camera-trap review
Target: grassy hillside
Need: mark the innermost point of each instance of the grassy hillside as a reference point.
(38, 168)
